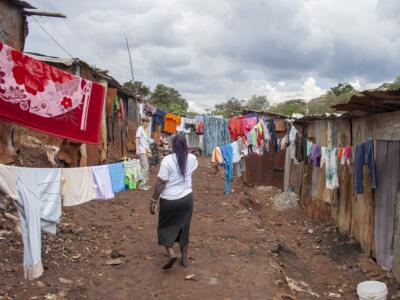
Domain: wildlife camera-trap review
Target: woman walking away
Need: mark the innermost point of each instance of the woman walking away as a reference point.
(143, 150)
(174, 190)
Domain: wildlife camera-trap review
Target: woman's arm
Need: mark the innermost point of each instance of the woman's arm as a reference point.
(159, 187)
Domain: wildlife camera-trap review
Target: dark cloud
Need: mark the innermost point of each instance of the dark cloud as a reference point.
(210, 50)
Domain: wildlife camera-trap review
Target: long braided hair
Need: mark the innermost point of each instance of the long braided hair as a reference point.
(180, 148)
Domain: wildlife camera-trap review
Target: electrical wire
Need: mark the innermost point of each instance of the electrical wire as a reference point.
(90, 46)
(50, 36)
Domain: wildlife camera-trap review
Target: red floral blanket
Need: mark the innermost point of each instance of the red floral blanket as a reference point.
(47, 99)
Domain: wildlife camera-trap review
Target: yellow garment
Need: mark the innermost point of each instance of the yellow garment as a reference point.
(170, 123)
(260, 127)
(77, 187)
(216, 156)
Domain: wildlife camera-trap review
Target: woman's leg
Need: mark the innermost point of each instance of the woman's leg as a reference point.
(171, 258)
(184, 256)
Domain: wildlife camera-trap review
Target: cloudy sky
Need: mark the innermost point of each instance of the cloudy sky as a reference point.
(211, 50)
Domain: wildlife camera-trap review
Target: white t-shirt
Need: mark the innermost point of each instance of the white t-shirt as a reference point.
(144, 141)
(177, 187)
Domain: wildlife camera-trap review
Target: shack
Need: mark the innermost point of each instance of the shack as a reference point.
(371, 217)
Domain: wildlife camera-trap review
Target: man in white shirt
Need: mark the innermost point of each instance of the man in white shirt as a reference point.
(143, 150)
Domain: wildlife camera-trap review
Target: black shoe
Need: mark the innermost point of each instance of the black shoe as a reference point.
(171, 261)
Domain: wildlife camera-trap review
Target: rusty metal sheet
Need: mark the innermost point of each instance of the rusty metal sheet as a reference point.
(260, 170)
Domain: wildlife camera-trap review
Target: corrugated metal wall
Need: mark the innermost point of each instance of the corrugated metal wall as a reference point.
(353, 213)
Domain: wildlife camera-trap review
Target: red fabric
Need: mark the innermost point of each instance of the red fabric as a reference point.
(199, 128)
(121, 112)
(235, 128)
(46, 99)
(260, 137)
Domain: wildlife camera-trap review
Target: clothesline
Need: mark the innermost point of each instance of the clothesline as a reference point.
(39, 194)
(303, 136)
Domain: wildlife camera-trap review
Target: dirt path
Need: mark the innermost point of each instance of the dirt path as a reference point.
(241, 248)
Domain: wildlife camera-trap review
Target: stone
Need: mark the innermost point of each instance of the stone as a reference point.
(212, 281)
(65, 281)
(40, 284)
(114, 262)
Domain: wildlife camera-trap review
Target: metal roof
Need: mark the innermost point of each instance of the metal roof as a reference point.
(246, 111)
(52, 59)
(22, 4)
(371, 102)
(68, 62)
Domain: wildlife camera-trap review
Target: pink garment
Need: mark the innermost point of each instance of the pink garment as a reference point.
(248, 123)
(47, 99)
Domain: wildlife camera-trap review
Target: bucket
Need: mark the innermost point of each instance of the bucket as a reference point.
(372, 290)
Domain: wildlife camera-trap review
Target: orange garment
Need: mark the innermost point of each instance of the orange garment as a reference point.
(235, 128)
(216, 156)
(170, 123)
(340, 153)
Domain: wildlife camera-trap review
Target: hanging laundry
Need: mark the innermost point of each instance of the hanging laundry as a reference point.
(117, 176)
(259, 145)
(248, 122)
(339, 153)
(329, 159)
(315, 156)
(242, 146)
(78, 186)
(8, 180)
(120, 110)
(216, 156)
(298, 148)
(184, 127)
(132, 173)
(284, 142)
(39, 207)
(46, 99)
(267, 134)
(171, 122)
(364, 156)
(346, 157)
(272, 131)
(309, 148)
(235, 128)
(102, 182)
(226, 151)
(199, 124)
(292, 142)
(149, 109)
(236, 157)
(215, 133)
(158, 119)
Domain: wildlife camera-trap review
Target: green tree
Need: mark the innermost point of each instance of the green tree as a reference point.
(168, 99)
(230, 108)
(258, 103)
(138, 88)
(342, 88)
(395, 85)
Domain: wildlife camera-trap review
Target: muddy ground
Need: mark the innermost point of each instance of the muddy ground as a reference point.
(242, 247)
